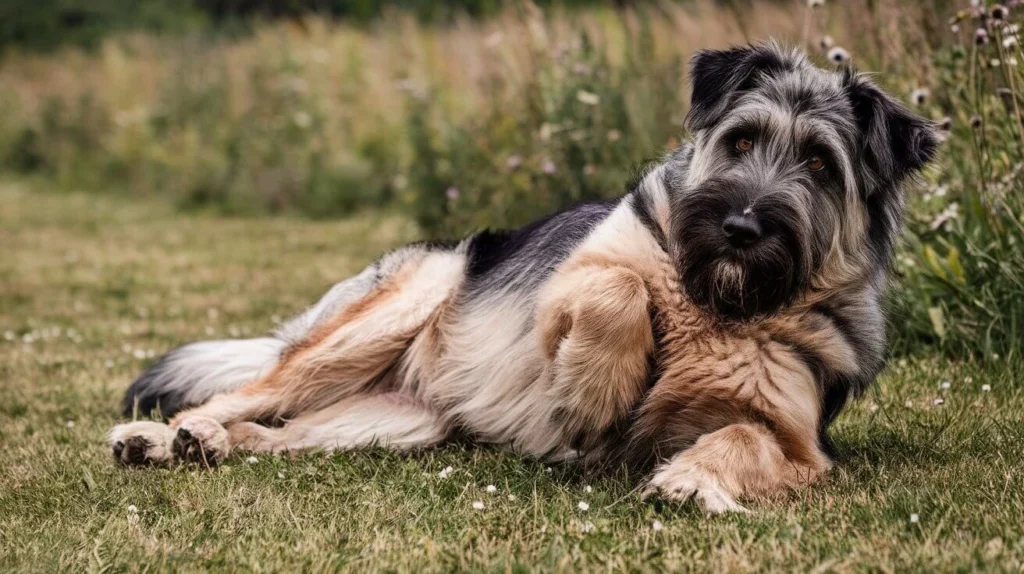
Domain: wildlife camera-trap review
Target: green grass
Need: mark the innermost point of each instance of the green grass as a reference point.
(92, 284)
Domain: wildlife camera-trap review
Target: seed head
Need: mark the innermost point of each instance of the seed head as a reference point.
(826, 42)
(975, 122)
(981, 36)
(919, 96)
(946, 124)
(838, 56)
(815, 3)
(999, 12)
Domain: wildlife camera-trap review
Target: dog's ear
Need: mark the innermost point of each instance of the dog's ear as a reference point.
(895, 142)
(718, 76)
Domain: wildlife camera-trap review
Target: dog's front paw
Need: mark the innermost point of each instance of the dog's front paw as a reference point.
(680, 482)
(201, 440)
(141, 443)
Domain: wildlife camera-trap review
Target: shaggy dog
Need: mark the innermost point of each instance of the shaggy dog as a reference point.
(709, 324)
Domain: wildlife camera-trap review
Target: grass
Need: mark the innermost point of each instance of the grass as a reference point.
(91, 287)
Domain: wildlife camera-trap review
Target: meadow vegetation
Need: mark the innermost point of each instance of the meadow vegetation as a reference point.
(494, 121)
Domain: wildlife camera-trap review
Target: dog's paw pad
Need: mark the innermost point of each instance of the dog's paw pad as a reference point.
(140, 443)
(201, 441)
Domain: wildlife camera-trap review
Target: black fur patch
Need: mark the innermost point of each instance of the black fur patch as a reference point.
(524, 257)
(148, 393)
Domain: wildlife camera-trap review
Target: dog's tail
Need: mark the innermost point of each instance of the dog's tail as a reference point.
(190, 375)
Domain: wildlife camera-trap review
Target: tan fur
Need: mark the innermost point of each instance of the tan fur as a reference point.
(352, 351)
(596, 332)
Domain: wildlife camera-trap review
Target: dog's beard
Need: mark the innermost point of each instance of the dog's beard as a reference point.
(739, 283)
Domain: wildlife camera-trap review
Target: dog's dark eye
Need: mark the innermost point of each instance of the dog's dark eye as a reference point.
(816, 163)
(744, 144)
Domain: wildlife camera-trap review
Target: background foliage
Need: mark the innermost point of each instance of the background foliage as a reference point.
(477, 114)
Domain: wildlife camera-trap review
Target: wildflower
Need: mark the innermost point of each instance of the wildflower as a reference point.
(981, 36)
(515, 160)
(512, 497)
(919, 96)
(995, 356)
(1009, 41)
(132, 509)
(946, 124)
(657, 525)
(280, 474)
(588, 98)
(70, 424)
(588, 488)
(252, 460)
(452, 193)
(941, 191)
(479, 505)
(583, 506)
(548, 167)
(994, 63)
(444, 473)
(547, 469)
(873, 408)
(587, 526)
(838, 55)
(999, 12)
(1011, 61)
(908, 403)
(986, 388)
(968, 380)
(815, 3)
(948, 214)
(492, 489)
(914, 518)
(975, 122)
(826, 42)
(939, 402)
(955, 28)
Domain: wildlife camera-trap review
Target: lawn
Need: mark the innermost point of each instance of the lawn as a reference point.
(92, 288)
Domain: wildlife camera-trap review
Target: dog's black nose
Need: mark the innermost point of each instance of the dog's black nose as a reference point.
(742, 230)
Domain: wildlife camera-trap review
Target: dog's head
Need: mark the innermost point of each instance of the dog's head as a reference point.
(794, 182)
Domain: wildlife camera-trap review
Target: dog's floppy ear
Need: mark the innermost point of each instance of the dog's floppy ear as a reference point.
(718, 76)
(896, 143)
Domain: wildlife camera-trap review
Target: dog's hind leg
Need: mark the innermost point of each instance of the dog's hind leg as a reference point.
(392, 420)
(344, 355)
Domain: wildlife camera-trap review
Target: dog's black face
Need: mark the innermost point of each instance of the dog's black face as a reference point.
(795, 173)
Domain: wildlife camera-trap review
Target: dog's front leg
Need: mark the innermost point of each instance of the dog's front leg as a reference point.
(596, 331)
(736, 461)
